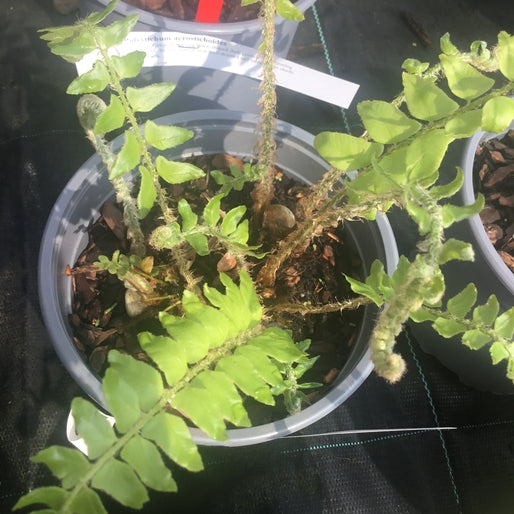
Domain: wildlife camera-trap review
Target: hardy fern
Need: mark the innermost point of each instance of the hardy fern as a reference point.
(207, 361)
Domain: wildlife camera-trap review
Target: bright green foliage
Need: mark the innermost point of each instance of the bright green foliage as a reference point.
(210, 357)
(232, 231)
(425, 100)
(237, 178)
(346, 152)
(288, 10)
(163, 137)
(107, 74)
(111, 118)
(478, 325)
(176, 172)
(498, 114)
(385, 123)
(505, 54)
(463, 79)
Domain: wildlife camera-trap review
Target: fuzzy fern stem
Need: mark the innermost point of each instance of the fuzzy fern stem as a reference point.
(418, 286)
(263, 190)
(88, 108)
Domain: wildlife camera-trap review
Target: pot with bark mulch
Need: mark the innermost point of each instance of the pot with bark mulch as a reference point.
(219, 132)
(237, 24)
(488, 165)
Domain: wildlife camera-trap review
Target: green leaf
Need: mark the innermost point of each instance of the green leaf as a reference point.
(447, 190)
(241, 304)
(505, 54)
(142, 377)
(453, 213)
(70, 43)
(447, 47)
(480, 51)
(147, 192)
(211, 212)
(464, 124)
(163, 137)
(497, 114)
(421, 315)
(177, 172)
(346, 152)
(111, 118)
(146, 460)
(173, 437)
(499, 351)
(199, 242)
(52, 496)
(87, 501)
(199, 405)
(193, 336)
(127, 158)
(475, 339)
(241, 234)
(97, 17)
(425, 100)
(242, 372)
(464, 80)
(487, 312)
(454, 249)
(122, 400)
(166, 353)
(448, 327)
(278, 344)
(262, 364)
(144, 99)
(129, 65)
(94, 80)
(462, 302)
(116, 32)
(419, 214)
(401, 273)
(217, 322)
(385, 123)
(189, 218)
(504, 324)
(288, 10)
(231, 219)
(93, 427)
(366, 290)
(68, 465)
(424, 156)
(119, 481)
(225, 395)
(415, 66)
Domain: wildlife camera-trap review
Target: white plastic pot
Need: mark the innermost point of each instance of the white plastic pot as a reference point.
(243, 32)
(491, 276)
(215, 131)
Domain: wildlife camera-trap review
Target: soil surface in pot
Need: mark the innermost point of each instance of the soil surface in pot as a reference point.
(494, 178)
(232, 10)
(313, 276)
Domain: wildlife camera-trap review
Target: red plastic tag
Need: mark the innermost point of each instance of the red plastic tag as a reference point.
(209, 11)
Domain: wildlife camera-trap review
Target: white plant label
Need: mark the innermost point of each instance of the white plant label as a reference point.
(178, 49)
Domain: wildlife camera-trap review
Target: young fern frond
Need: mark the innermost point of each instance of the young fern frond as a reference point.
(231, 230)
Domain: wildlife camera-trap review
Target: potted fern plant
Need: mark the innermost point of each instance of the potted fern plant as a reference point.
(223, 339)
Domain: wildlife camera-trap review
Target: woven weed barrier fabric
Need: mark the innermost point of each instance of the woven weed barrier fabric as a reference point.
(458, 454)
